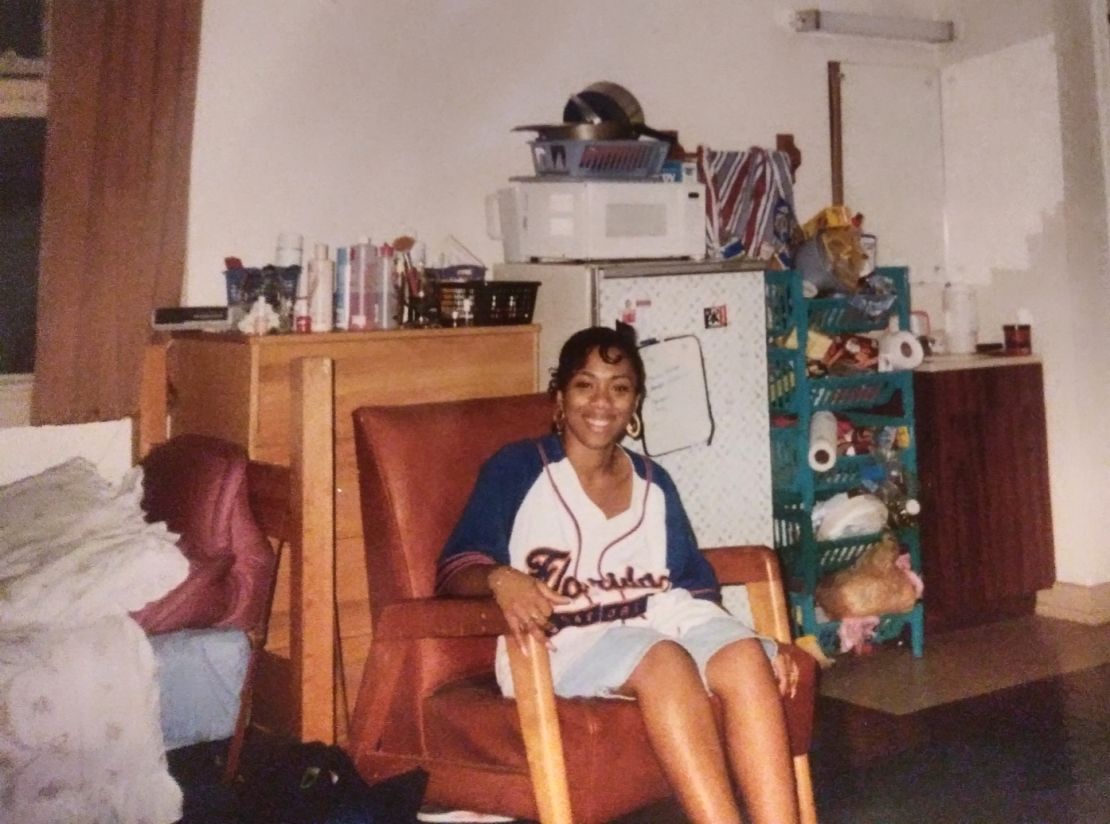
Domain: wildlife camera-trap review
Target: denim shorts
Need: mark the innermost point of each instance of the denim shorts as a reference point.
(610, 661)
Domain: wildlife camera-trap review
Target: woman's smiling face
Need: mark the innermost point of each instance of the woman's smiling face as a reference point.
(598, 402)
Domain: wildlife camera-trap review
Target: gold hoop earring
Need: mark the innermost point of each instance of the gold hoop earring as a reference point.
(635, 426)
(558, 422)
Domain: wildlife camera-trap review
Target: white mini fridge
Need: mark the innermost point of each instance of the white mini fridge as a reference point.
(702, 332)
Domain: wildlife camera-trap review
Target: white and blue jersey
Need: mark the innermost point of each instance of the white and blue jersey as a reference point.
(641, 567)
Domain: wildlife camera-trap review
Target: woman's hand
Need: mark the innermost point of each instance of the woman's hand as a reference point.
(786, 674)
(526, 603)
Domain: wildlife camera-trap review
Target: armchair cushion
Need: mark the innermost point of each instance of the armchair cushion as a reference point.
(469, 722)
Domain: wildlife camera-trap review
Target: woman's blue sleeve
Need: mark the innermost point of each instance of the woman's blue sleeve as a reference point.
(482, 533)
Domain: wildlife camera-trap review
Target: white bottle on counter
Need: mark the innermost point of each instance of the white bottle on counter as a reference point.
(321, 289)
(289, 249)
(961, 318)
(385, 291)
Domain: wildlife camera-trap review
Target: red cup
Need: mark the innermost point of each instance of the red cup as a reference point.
(1018, 338)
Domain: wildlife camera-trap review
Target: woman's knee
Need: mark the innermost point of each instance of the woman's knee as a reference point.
(734, 665)
(663, 664)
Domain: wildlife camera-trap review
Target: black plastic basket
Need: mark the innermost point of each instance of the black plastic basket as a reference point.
(487, 303)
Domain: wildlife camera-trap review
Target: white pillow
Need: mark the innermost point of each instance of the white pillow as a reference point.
(74, 548)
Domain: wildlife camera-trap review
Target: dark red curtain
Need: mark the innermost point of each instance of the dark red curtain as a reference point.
(122, 85)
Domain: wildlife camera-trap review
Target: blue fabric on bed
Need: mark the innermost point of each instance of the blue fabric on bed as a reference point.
(200, 674)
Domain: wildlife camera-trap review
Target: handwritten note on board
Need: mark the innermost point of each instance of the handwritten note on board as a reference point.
(676, 412)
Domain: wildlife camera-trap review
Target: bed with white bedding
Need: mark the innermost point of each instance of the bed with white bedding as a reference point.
(80, 735)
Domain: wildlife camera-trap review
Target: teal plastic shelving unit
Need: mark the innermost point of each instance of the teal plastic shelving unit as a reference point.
(869, 399)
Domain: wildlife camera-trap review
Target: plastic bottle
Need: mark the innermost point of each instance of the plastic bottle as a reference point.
(302, 316)
(385, 291)
(290, 250)
(341, 318)
(321, 289)
(364, 268)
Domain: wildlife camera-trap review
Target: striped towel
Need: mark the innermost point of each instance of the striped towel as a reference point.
(749, 203)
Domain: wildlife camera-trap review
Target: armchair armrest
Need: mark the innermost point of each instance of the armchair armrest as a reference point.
(539, 724)
(757, 568)
(439, 618)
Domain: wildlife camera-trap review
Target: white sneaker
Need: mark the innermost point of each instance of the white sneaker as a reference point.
(434, 815)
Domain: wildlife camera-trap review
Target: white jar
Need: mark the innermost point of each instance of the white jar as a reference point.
(961, 318)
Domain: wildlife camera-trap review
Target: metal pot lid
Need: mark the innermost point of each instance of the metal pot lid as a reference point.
(605, 130)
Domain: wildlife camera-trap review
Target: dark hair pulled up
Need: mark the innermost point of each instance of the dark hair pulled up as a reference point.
(612, 346)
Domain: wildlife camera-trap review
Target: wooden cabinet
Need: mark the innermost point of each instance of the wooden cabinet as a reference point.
(986, 520)
(238, 387)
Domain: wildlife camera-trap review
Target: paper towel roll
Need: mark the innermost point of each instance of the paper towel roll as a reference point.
(899, 350)
(822, 441)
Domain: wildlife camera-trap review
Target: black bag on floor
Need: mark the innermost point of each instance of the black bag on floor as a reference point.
(314, 783)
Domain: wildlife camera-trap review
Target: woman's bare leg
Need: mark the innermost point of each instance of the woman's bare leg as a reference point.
(683, 733)
(755, 730)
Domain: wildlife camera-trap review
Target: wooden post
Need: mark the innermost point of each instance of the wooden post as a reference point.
(836, 145)
(150, 427)
(312, 550)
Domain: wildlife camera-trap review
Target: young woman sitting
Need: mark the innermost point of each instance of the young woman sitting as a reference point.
(586, 544)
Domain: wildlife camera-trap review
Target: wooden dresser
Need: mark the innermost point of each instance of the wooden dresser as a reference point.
(986, 519)
(238, 387)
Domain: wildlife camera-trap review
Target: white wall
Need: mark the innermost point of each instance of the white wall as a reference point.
(343, 118)
(1065, 276)
(339, 118)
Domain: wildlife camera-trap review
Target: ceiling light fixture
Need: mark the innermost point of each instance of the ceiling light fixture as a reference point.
(867, 25)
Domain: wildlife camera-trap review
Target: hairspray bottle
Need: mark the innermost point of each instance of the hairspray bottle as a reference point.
(321, 289)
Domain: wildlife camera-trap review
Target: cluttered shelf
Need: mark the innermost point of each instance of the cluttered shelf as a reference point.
(844, 466)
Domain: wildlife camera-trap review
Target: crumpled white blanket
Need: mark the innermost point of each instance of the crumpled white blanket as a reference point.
(80, 738)
(73, 548)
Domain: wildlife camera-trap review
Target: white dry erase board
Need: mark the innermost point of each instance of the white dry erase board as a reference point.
(676, 412)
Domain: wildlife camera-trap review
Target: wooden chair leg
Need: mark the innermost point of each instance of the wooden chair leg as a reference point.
(535, 703)
(242, 721)
(803, 779)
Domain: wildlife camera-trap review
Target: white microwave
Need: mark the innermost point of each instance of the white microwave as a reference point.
(540, 219)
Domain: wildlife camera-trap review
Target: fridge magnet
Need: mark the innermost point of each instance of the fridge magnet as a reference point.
(716, 316)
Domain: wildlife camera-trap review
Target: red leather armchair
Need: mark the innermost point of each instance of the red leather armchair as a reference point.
(428, 697)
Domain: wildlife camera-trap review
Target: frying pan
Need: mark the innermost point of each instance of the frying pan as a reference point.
(609, 102)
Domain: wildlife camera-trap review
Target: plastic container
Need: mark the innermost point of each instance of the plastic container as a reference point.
(486, 303)
(461, 273)
(278, 284)
(615, 159)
